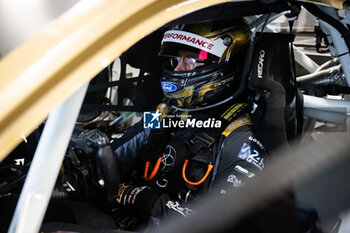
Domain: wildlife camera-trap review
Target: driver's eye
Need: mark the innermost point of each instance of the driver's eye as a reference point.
(188, 61)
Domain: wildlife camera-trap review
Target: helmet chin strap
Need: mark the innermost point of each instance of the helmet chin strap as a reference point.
(205, 107)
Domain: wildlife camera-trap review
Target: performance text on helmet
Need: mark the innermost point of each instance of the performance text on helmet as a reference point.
(215, 47)
(179, 36)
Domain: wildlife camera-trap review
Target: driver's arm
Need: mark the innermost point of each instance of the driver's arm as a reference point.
(126, 149)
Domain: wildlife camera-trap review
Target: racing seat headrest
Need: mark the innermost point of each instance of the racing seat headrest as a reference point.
(272, 79)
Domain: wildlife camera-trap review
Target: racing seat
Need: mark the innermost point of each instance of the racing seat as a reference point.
(279, 104)
(278, 121)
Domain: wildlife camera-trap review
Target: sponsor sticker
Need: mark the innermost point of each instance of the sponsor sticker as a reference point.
(251, 155)
(121, 190)
(215, 47)
(182, 210)
(235, 125)
(234, 110)
(244, 171)
(168, 87)
(256, 141)
(234, 180)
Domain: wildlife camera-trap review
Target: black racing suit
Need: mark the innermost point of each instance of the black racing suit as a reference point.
(234, 156)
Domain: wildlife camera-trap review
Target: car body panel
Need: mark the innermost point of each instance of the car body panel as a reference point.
(71, 50)
(334, 3)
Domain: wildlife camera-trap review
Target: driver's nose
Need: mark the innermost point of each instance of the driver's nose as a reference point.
(181, 66)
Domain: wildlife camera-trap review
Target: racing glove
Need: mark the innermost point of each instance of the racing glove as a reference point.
(139, 198)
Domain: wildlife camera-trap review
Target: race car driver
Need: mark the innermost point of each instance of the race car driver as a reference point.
(201, 138)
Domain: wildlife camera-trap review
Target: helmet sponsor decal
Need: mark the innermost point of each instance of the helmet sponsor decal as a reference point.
(215, 47)
(168, 87)
(178, 27)
(252, 156)
(224, 81)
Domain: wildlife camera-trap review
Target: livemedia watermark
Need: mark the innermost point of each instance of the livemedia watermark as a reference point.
(152, 120)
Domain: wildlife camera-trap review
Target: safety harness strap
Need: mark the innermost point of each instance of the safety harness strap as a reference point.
(209, 137)
(204, 143)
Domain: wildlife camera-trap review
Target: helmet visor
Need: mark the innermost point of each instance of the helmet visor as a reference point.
(189, 62)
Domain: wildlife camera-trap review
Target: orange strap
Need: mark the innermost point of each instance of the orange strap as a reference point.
(210, 167)
(155, 169)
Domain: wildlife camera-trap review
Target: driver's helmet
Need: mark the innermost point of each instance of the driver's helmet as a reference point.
(205, 60)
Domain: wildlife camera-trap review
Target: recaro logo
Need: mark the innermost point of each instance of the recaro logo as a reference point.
(261, 63)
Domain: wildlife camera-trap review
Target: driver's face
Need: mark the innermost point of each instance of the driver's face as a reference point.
(187, 60)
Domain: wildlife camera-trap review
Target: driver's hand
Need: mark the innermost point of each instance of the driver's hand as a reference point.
(140, 199)
(129, 195)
